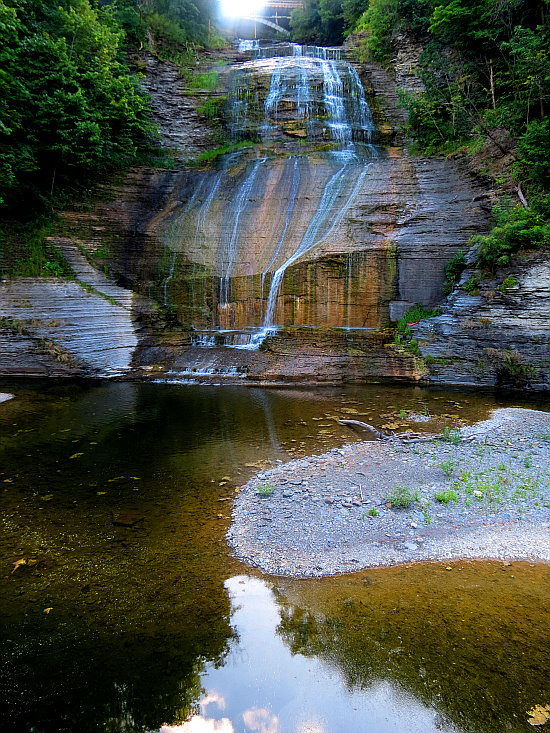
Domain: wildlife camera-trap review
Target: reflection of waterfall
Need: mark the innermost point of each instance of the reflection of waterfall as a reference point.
(327, 217)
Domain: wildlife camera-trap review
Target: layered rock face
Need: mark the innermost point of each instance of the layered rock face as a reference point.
(496, 335)
(307, 243)
(56, 328)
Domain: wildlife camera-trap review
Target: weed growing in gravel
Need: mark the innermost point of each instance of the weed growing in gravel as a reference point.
(447, 467)
(402, 497)
(444, 497)
(494, 485)
(265, 489)
(451, 435)
(528, 461)
(373, 512)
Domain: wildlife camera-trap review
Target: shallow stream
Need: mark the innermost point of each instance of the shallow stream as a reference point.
(123, 611)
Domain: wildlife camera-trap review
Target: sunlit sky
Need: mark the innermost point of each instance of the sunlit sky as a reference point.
(243, 8)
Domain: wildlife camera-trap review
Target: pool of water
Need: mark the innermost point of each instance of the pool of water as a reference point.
(122, 609)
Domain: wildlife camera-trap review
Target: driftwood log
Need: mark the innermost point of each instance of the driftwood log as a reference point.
(408, 437)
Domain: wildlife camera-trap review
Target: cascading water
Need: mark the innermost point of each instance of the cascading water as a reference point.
(329, 214)
(231, 251)
(286, 208)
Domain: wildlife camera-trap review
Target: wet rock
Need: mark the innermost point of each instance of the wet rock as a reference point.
(127, 518)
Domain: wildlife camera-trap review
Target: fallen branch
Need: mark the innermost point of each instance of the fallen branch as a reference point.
(408, 437)
(366, 426)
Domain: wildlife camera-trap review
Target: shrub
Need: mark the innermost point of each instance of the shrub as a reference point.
(402, 497)
(447, 467)
(471, 286)
(416, 313)
(451, 435)
(516, 229)
(453, 270)
(444, 497)
(508, 282)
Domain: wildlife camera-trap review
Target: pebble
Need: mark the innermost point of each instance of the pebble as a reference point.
(481, 529)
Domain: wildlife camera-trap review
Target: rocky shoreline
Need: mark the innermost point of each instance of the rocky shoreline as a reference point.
(482, 492)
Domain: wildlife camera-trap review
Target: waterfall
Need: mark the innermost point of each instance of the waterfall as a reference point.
(174, 234)
(293, 192)
(239, 205)
(327, 217)
(245, 45)
(289, 91)
(205, 207)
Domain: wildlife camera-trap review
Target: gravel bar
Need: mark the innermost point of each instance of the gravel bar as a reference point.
(484, 492)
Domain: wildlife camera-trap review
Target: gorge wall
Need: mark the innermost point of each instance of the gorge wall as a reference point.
(284, 260)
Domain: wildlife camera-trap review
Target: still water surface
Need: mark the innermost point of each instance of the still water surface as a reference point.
(128, 614)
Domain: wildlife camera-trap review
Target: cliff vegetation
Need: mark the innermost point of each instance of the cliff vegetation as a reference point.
(485, 72)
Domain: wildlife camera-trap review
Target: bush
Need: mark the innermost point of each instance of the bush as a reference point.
(453, 270)
(517, 229)
(402, 497)
(379, 20)
(444, 497)
(416, 313)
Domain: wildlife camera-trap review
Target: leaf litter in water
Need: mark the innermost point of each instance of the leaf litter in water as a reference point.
(539, 715)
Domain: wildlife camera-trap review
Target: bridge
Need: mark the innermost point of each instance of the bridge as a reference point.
(282, 10)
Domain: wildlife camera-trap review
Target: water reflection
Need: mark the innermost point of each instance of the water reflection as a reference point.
(267, 687)
(141, 635)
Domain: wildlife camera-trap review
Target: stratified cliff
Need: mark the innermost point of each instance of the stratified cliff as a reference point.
(307, 244)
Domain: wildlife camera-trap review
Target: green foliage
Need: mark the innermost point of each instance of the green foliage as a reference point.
(305, 23)
(451, 435)
(447, 467)
(533, 154)
(265, 489)
(453, 270)
(205, 80)
(211, 109)
(373, 512)
(507, 283)
(379, 19)
(176, 25)
(471, 286)
(28, 252)
(319, 21)
(69, 107)
(416, 313)
(510, 368)
(209, 155)
(444, 497)
(517, 229)
(402, 497)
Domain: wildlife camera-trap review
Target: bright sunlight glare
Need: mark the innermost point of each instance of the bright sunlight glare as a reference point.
(241, 8)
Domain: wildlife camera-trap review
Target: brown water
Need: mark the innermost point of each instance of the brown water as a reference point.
(115, 496)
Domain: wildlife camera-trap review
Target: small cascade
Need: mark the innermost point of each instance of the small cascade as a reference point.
(249, 338)
(246, 45)
(309, 83)
(240, 203)
(327, 217)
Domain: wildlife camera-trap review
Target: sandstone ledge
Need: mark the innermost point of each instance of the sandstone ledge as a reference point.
(317, 521)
